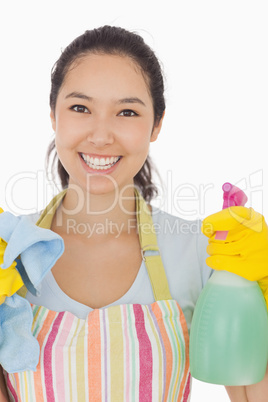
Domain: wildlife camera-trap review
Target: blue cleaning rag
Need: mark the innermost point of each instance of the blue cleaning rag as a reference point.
(38, 249)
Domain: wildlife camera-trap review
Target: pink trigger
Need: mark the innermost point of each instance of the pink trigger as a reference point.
(232, 196)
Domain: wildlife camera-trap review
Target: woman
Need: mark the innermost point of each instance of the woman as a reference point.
(114, 316)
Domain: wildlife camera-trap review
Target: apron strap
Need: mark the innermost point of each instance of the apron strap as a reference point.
(149, 247)
(46, 218)
(148, 241)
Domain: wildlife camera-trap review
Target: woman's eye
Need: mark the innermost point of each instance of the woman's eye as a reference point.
(80, 109)
(128, 113)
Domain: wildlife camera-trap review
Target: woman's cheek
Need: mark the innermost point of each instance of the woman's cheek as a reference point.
(136, 138)
(69, 135)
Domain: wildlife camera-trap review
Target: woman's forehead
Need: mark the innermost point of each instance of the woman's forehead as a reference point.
(105, 71)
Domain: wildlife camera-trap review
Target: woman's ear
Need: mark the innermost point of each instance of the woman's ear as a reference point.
(53, 120)
(157, 129)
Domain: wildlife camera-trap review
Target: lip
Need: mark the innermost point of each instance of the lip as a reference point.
(95, 171)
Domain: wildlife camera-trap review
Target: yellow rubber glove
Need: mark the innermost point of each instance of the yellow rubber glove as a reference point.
(10, 279)
(245, 249)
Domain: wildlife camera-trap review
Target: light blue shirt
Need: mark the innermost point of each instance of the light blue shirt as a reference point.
(183, 251)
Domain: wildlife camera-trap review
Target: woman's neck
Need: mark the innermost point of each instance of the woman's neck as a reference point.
(86, 214)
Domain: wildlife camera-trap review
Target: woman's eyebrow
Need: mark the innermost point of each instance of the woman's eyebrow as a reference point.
(132, 99)
(78, 95)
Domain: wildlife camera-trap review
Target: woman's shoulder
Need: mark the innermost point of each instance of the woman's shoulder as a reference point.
(174, 226)
(180, 239)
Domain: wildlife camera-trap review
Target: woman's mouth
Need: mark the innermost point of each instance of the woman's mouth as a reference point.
(99, 163)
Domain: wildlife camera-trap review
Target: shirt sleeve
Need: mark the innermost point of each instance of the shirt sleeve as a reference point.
(206, 271)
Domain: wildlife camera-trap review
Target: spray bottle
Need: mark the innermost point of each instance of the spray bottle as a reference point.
(229, 331)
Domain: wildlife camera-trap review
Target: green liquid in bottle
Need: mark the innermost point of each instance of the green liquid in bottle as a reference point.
(229, 332)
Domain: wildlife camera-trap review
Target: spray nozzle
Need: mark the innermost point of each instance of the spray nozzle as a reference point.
(233, 196)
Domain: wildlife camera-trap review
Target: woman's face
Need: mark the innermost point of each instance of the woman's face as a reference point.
(103, 123)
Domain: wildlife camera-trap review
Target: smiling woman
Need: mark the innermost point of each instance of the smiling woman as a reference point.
(104, 126)
(114, 42)
(111, 317)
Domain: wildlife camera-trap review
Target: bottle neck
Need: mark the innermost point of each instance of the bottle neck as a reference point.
(225, 278)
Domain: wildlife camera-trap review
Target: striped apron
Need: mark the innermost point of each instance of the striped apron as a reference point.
(128, 352)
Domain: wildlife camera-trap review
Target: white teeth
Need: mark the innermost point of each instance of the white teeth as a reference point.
(100, 163)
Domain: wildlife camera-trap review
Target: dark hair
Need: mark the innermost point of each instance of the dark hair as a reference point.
(116, 41)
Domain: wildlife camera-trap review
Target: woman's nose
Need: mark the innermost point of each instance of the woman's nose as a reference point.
(100, 134)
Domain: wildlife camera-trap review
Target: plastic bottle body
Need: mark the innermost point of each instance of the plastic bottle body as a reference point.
(229, 332)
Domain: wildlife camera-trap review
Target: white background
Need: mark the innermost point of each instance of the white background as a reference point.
(215, 60)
